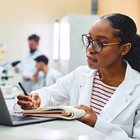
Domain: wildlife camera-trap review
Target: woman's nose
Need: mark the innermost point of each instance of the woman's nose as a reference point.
(90, 49)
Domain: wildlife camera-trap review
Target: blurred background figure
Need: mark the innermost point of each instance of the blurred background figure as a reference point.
(45, 76)
(27, 66)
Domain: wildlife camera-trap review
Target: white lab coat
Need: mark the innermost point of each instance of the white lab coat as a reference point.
(45, 80)
(51, 77)
(119, 119)
(27, 67)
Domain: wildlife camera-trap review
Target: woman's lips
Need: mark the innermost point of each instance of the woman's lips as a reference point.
(91, 59)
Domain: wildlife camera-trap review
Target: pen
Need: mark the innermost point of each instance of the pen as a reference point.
(24, 91)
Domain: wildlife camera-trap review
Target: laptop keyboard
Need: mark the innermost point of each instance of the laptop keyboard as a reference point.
(21, 118)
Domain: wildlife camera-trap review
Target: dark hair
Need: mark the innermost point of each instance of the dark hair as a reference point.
(127, 33)
(34, 37)
(42, 58)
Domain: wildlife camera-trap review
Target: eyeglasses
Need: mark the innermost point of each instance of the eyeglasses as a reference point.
(96, 45)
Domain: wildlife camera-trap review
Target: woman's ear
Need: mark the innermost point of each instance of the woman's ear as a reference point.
(125, 48)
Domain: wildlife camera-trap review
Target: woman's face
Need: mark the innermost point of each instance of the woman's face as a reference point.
(111, 54)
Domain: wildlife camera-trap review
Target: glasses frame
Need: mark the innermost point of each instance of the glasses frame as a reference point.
(93, 45)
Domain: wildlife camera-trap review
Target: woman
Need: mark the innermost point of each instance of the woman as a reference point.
(109, 87)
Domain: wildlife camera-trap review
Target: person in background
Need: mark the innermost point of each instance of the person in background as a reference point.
(27, 66)
(49, 76)
(108, 89)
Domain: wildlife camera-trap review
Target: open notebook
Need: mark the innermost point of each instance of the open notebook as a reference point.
(64, 112)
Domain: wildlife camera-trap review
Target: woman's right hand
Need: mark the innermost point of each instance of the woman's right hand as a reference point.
(28, 102)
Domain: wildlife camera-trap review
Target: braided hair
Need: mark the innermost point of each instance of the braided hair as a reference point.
(127, 33)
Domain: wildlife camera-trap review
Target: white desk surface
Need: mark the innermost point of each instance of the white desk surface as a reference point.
(53, 130)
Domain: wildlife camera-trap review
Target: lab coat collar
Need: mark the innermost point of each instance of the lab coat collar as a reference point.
(122, 96)
(120, 99)
(86, 87)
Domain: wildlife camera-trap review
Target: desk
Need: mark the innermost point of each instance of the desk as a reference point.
(53, 130)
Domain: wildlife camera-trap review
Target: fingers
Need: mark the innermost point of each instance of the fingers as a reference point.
(35, 97)
(36, 100)
(26, 104)
(24, 97)
(90, 117)
(29, 102)
(86, 108)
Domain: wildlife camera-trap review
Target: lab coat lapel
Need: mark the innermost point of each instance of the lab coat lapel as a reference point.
(85, 88)
(122, 96)
(118, 102)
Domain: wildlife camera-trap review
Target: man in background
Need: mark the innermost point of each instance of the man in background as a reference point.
(27, 66)
(49, 76)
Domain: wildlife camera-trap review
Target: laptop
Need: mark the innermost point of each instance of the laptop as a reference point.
(16, 119)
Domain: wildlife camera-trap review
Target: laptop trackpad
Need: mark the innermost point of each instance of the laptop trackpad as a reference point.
(18, 118)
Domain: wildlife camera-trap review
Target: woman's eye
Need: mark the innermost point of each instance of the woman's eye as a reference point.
(103, 41)
(100, 43)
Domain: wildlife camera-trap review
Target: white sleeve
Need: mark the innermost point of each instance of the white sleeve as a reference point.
(114, 132)
(58, 93)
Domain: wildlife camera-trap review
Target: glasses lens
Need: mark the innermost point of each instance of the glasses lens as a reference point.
(85, 40)
(97, 46)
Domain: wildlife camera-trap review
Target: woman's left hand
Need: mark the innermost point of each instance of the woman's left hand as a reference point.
(90, 118)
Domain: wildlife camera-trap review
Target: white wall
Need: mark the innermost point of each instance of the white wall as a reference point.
(14, 36)
(78, 25)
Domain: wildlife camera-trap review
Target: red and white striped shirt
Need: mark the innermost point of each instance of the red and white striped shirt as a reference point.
(101, 93)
